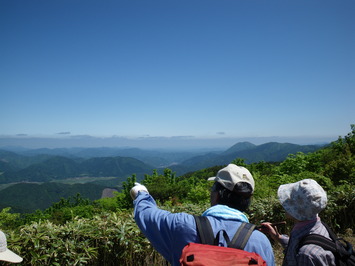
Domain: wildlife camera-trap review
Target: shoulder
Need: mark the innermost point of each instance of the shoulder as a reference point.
(260, 244)
(259, 239)
(313, 250)
(258, 235)
(315, 254)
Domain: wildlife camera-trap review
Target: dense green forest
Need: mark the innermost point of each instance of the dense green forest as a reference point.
(77, 230)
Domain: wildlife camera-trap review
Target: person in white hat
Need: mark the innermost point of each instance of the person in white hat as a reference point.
(5, 253)
(170, 232)
(302, 201)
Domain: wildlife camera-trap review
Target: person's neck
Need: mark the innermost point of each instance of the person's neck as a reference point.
(299, 224)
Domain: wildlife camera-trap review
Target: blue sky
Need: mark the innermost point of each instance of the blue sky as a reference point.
(187, 68)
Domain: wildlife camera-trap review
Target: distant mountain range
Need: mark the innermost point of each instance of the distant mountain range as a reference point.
(268, 152)
(156, 158)
(44, 165)
(29, 178)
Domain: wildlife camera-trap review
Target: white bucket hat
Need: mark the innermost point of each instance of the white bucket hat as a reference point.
(232, 174)
(303, 200)
(5, 253)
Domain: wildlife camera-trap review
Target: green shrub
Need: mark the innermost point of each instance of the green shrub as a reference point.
(106, 239)
(200, 193)
(8, 220)
(339, 213)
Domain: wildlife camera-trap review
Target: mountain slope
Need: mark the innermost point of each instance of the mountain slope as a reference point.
(28, 197)
(114, 166)
(274, 151)
(58, 167)
(18, 161)
(268, 152)
(240, 146)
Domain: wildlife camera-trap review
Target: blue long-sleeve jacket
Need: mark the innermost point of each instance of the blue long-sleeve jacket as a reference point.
(170, 232)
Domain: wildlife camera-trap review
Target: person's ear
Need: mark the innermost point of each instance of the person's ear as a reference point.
(214, 198)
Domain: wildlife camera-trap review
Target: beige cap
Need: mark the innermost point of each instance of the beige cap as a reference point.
(232, 174)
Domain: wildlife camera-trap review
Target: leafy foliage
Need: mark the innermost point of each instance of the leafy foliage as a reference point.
(7, 219)
(124, 201)
(101, 240)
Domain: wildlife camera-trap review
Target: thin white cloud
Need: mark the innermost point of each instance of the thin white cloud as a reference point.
(64, 133)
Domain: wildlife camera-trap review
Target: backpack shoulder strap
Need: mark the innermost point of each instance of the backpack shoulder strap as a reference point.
(332, 235)
(204, 230)
(318, 240)
(239, 240)
(341, 245)
(242, 235)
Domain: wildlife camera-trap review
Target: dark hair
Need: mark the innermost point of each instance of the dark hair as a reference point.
(239, 198)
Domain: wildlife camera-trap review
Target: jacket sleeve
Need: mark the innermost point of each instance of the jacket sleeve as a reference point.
(284, 241)
(168, 232)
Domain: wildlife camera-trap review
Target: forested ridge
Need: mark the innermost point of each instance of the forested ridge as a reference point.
(59, 167)
(77, 230)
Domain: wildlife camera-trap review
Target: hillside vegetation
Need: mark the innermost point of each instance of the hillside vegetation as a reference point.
(42, 196)
(58, 167)
(77, 230)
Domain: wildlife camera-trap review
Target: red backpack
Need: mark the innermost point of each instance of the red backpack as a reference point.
(209, 253)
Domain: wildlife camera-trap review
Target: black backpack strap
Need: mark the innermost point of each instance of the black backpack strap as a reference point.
(318, 240)
(343, 247)
(334, 244)
(204, 230)
(226, 237)
(242, 235)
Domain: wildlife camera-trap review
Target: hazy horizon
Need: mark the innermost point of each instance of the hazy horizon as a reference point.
(175, 143)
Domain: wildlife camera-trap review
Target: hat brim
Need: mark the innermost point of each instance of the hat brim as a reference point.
(303, 211)
(213, 178)
(284, 193)
(10, 256)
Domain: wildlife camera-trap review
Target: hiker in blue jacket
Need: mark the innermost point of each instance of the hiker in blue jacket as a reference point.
(230, 197)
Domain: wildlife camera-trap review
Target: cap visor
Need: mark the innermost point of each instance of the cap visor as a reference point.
(213, 178)
(10, 256)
